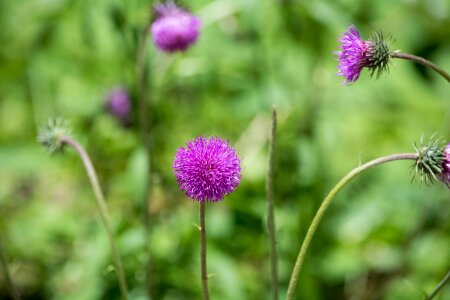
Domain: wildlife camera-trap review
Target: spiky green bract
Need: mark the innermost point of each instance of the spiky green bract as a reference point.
(50, 136)
(378, 60)
(430, 164)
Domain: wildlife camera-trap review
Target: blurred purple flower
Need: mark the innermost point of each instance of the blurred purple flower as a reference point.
(356, 54)
(118, 103)
(445, 175)
(207, 169)
(174, 29)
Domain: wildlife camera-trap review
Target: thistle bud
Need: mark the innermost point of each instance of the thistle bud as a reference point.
(51, 135)
(118, 104)
(433, 162)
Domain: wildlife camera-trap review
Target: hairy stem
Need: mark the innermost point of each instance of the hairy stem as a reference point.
(440, 285)
(9, 282)
(323, 207)
(103, 209)
(204, 272)
(422, 61)
(270, 209)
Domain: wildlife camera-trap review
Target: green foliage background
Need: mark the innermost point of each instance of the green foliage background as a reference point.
(383, 238)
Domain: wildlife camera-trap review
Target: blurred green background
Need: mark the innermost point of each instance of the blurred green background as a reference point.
(382, 238)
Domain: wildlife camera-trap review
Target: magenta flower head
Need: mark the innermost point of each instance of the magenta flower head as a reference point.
(357, 54)
(174, 29)
(118, 103)
(445, 176)
(207, 169)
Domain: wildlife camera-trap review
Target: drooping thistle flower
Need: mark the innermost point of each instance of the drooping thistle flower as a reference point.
(55, 136)
(207, 169)
(373, 54)
(357, 54)
(431, 162)
(118, 103)
(174, 29)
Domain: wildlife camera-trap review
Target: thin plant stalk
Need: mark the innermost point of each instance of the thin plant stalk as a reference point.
(142, 77)
(103, 209)
(9, 282)
(204, 272)
(144, 126)
(422, 61)
(440, 285)
(270, 208)
(325, 204)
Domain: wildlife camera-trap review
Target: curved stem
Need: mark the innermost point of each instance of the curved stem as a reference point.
(104, 214)
(270, 209)
(204, 273)
(9, 282)
(439, 286)
(422, 61)
(323, 207)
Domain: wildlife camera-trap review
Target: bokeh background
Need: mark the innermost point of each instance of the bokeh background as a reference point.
(383, 237)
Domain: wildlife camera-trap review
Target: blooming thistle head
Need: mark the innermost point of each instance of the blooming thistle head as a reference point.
(207, 169)
(433, 162)
(445, 176)
(51, 135)
(174, 29)
(356, 54)
(118, 103)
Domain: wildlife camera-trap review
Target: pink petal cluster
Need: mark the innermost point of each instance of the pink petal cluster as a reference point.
(445, 176)
(207, 169)
(174, 29)
(353, 55)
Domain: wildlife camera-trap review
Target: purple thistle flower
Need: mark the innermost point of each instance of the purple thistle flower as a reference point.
(207, 169)
(118, 103)
(445, 175)
(174, 29)
(356, 54)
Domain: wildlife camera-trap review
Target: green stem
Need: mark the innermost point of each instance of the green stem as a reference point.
(323, 207)
(144, 126)
(142, 77)
(439, 286)
(9, 282)
(103, 209)
(422, 61)
(204, 273)
(270, 209)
